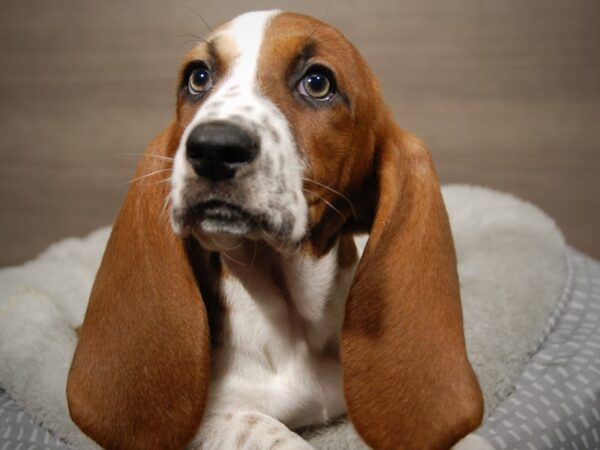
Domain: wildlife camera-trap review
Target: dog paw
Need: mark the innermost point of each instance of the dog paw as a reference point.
(246, 431)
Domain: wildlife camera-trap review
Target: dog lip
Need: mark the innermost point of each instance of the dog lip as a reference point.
(221, 210)
(220, 217)
(216, 216)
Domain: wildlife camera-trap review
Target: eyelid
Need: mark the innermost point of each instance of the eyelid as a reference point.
(311, 66)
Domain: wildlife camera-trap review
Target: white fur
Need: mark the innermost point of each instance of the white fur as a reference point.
(280, 354)
(511, 262)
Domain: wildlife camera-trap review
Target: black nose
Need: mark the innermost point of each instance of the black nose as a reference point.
(217, 150)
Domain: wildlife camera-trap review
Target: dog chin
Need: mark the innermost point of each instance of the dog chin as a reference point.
(215, 235)
(219, 226)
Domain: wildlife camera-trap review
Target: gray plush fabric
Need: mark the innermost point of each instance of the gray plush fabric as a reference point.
(19, 431)
(513, 269)
(512, 264)
(556, 401)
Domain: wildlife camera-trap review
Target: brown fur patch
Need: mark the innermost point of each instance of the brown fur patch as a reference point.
(242, 438)
(347, 253)
(334, 137)
(251, 420)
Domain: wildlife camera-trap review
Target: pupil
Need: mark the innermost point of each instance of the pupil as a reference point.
(201, 77)
(317, 83)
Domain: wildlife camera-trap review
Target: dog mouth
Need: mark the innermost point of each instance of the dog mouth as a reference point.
(221, 217)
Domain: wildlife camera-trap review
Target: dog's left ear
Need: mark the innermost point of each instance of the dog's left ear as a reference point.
(139, 376)
(407, 380)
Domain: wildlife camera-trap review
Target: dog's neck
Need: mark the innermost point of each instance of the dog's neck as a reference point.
(311, 290)
(281, 325)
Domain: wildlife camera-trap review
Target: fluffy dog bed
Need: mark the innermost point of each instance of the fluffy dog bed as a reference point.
(532, 323)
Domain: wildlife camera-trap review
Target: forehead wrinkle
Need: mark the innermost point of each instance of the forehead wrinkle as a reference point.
(198, 52)
(225, 48)
(292, 40)
(210, 51)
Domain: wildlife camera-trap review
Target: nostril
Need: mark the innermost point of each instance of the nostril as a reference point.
(195, 153)
(237, 155)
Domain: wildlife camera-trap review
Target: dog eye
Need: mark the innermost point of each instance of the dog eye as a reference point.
(318, 83)
(199, 81)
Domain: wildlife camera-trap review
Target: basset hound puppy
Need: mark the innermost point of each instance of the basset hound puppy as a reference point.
(231, 305)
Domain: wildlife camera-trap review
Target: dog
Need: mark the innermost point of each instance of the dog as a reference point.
(231, 305)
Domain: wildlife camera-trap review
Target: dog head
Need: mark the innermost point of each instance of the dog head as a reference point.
(274, 109)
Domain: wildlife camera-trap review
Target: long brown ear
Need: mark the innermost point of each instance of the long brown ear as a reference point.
(140, 371)
(407, 380)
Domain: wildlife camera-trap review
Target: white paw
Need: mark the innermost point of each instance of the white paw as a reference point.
(246, 431)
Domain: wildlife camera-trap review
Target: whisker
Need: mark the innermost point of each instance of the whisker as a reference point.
(165, 158)
(161, 181)
(189, 41)
(314, 31)
(144, 176)
(254, 254)
(223, 247)
(222, 250)
(335, 192)
(201, 18)
(165, 205)
(326, 202)
(193, 37)
(232, 260)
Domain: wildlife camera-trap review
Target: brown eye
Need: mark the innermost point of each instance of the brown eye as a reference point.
(318, 84)
(199, 81)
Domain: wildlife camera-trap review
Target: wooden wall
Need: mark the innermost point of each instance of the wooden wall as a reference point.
(506, 94)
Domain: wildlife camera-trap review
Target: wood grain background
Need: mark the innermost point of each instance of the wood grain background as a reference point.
(506, 94)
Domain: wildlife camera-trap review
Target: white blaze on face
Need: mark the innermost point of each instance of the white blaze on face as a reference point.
(271, 187)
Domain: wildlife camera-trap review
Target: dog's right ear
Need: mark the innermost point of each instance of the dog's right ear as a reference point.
(139, 376)
(407, 379)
